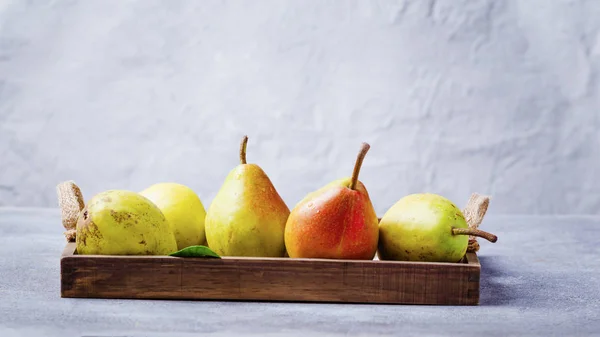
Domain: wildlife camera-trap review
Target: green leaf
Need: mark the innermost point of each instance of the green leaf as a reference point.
(195, 251)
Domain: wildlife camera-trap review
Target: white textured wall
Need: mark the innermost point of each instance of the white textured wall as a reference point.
(498, 97)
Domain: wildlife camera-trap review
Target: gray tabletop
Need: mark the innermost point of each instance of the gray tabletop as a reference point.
(542, 278)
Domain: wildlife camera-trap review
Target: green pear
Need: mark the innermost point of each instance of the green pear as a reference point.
(120, 222)
(183, 209)
(247, 217)
(425, 227)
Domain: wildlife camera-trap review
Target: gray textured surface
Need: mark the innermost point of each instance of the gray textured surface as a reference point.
(540, 279)
(455, 96)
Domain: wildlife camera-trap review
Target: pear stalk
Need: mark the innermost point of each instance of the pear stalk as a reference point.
(359, 160)
(243, 149)
(475, 232)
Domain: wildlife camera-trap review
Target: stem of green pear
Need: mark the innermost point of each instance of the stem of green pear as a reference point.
(359, 160)
(243, 149)
(475, 232)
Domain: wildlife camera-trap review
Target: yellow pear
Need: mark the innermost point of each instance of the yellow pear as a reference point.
(247, 216)
(183, 209)
(120, 222)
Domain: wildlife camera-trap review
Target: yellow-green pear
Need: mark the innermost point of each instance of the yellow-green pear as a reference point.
(425, 227)
(120, 222)
(183, 209)
(247, 216)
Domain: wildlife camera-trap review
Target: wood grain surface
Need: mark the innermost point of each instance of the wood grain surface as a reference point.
(269, 279)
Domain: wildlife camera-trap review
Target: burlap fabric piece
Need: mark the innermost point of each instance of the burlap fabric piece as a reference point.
(71, 202)
(474, 212)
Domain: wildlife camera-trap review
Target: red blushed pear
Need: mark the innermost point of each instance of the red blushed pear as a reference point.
(337, 221)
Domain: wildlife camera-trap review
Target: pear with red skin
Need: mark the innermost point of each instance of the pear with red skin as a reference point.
(337, 221)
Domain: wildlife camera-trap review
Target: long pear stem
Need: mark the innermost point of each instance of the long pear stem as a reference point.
(475, 232)
(243, 149)
(359, 160)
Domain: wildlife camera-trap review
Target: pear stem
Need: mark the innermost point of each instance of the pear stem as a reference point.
(475, 232)
(243, 149)
(359, 160)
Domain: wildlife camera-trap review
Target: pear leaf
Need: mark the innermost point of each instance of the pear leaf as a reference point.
(195, 251)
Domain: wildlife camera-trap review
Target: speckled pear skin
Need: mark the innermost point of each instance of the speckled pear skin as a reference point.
(419, 228)
(247, 217)
(333, 222)
(120, 222)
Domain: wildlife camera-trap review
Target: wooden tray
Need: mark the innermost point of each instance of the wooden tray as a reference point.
(269, 279)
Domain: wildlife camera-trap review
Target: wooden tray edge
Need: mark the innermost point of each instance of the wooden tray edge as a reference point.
(470, 269)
